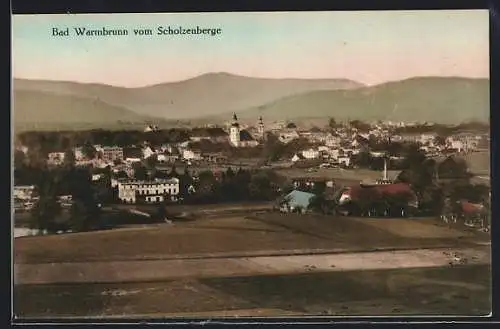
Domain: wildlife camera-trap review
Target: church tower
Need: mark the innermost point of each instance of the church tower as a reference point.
(234, 132)
(260, 128)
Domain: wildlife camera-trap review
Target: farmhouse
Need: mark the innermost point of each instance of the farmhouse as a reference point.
(296, 201)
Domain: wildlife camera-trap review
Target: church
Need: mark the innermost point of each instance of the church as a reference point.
(242, 138)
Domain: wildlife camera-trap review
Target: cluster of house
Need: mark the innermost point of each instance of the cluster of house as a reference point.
(25, 198)
(340, 146)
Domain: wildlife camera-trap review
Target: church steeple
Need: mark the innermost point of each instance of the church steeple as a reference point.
(235, 121)
(234, 133)
(260, 128)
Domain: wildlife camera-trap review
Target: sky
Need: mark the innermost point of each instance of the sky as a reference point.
(367, 46)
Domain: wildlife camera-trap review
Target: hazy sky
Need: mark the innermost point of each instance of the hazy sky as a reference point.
(369, 46)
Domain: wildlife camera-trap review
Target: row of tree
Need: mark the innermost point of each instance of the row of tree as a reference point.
(49, 214)
(50, 141)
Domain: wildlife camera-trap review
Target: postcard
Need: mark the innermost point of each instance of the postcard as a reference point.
(251, 164)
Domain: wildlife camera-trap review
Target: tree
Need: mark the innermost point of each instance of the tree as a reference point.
(291, 125)
(47, 208)
(173, 171)
(151, 161)
(363, 159)
(440, 140)
(89, 151)
(84, 215)
(318, 188)
(161, 212)
(140, 172)
(367, 199)
(360, 125)
(332, 123)
(272, 149)
(69, 158)
(453, 168)
(320, 204)
(397, 203)
(44, 213)
(260, 187)
(19, 158)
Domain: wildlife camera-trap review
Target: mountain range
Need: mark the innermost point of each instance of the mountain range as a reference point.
(214, 96)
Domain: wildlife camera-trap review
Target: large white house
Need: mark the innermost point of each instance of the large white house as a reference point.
(311, 154)
(152, 191)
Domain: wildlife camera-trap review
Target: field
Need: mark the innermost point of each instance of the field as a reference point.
(478, 162)
(341, 176)
(258, 265)
(267, 232)
(438, 291)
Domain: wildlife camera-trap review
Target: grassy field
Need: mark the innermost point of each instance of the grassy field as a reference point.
(266, 232)
(437, 291)
(340, 175)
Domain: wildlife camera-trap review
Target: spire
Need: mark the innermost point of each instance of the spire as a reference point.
(235, 118)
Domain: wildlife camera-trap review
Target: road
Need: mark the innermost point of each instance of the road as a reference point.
(152, 270)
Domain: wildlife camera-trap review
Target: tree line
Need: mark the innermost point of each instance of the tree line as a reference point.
(50, 141)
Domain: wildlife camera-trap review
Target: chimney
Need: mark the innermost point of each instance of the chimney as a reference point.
(385, 169)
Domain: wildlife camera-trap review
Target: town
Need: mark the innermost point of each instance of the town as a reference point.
(344, 168)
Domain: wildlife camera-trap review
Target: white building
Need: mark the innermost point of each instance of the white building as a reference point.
(234, 132)
(332, 140)
(151, 191)
(56, 158)
(297, 157)
(260, 129)
(147, 152)
(112, 153)
(288, 135)
(78, 152)
(191, 155)
(242, 138)
(24, 192)
(344, 160)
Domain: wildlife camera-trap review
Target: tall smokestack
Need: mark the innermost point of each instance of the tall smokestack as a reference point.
(385, 169)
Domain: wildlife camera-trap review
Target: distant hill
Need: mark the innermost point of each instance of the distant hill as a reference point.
(45, 110)
(212, 97)
(433, 99)
(208, 94)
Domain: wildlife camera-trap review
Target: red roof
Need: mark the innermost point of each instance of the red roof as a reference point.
(396, 188)
(468, 207)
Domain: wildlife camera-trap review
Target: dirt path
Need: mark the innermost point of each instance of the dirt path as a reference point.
(152, 270)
